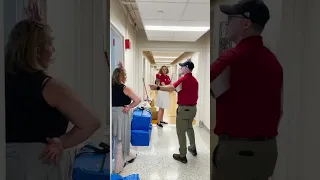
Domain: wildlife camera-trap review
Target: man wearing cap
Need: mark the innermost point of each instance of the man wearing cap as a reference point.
(187, 89)
(248, 112)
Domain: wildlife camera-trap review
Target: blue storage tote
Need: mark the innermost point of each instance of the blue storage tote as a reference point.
(141, 119)
(130, 177)
(92, 163)
(141, 137)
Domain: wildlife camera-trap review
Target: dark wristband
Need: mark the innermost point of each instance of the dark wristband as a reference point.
(158, 88)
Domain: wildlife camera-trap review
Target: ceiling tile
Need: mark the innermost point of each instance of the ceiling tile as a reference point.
(166, 53)
(160, 23)
(187, 36)
(195, 11)
(195, 23)
(150, 10)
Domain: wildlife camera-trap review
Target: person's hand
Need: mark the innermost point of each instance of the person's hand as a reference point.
(126, 109)
(33, 11)
(153, 87)
(120, 65)
(52, 153)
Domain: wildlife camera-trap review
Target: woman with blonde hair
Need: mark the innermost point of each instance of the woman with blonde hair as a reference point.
(39, 107)
(163, 97)
(123, 101)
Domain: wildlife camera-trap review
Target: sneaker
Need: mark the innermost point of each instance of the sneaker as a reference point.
(160, 125)
(192, 151)
(162, 122)
(177, 157)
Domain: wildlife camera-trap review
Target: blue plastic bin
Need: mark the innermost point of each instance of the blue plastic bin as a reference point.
(141, 137)
(87, 166)
(141, 119)
(130, 177)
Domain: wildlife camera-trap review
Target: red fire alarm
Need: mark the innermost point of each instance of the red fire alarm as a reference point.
(127, 43)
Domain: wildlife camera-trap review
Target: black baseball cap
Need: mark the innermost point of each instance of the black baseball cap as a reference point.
(189, 64)
(255, 10)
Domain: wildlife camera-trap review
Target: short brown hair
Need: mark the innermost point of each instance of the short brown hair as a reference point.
(160, 70)
(21, 49)
(117, 75)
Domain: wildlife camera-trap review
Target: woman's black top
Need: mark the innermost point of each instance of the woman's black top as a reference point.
(29, 118)
(118, 96)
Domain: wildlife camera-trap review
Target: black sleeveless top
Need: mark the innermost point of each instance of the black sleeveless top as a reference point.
(29, 118)
(118, 96)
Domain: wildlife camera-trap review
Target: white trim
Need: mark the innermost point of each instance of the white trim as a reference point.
(2, 100)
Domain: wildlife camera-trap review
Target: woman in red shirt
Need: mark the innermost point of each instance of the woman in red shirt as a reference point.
(163, 98)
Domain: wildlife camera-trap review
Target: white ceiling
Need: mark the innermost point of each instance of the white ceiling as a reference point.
(175, 13)
(165, 57)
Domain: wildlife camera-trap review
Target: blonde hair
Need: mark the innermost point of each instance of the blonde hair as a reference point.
(160, 70)
(26, 39)
(118, 75)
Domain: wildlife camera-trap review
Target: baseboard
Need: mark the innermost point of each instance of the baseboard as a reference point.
(202, 125)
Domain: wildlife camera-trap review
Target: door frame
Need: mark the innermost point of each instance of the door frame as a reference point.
(140, 59)
(115, 30)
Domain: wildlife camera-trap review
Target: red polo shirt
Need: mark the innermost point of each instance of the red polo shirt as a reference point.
(189, 90)
(253, 104)
(163, 79)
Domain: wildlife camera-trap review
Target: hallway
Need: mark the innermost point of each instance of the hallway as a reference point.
(155, 161)
(145, 36)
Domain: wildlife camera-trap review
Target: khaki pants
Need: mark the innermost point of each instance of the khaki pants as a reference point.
(185, 116)
(244, 160)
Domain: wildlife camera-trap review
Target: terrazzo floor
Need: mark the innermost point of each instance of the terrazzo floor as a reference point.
(155, 162)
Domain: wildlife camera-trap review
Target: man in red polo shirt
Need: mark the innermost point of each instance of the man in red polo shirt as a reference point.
(187, 89)
(249, 110)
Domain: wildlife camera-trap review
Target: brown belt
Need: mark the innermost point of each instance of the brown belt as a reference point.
(258, 138)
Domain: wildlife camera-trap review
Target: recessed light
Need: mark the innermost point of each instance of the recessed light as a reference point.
(176, 28)
(160, 12)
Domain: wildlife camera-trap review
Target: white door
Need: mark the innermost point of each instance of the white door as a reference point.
(116, 48)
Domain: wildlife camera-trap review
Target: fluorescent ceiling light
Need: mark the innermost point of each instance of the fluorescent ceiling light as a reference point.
(165, 57)
(176, 28)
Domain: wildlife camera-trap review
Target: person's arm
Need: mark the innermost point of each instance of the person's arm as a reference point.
(172, 87)
(85, 123)
(135, 99)
(218, 66)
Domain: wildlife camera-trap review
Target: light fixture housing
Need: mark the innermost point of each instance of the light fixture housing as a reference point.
(177, 28)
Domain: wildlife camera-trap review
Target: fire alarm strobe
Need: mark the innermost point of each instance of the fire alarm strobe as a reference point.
(127, 44)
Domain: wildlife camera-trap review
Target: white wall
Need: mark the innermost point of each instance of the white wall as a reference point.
(202, 46)
(80, 62)
(293, 34)
(120, 21)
